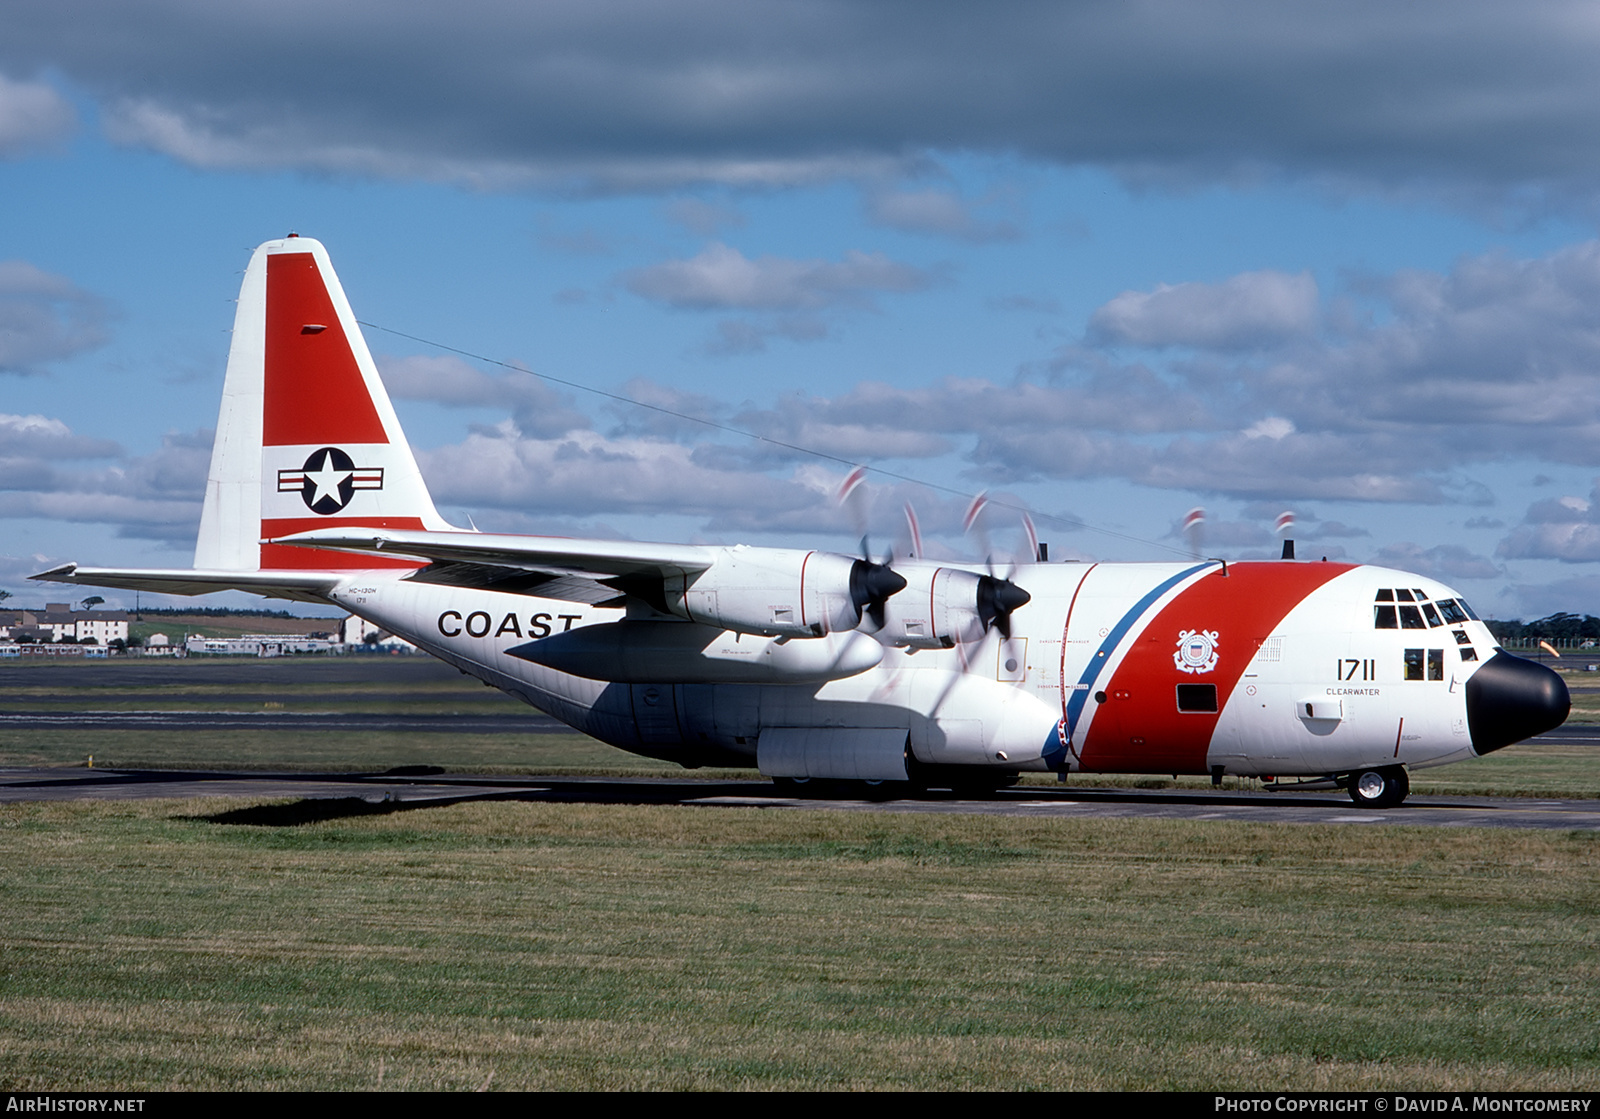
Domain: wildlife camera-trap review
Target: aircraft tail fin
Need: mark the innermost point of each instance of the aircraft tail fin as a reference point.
(306, 437)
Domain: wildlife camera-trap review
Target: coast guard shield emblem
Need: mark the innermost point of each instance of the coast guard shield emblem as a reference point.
(1197, 651)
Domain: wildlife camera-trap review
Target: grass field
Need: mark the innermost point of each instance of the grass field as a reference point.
(163, 945)
(176, 626)
(209, 944)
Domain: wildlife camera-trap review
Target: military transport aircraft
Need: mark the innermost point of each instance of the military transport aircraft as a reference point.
(812, 665)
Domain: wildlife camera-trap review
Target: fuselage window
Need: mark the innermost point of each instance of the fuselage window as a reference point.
(1414, 664)
(1404, 596)
(1468, 609)
(1469, 654)
(1384, 596)
(1436, 664)
(1432, 615)
(1411, 617)
(1385, 618)
(1197, 697)
(1461, 637)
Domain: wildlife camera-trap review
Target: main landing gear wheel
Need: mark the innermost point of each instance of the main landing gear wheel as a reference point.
(1379, 788)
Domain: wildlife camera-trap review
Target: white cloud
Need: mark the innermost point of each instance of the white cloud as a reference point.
(585, 474)
(1271, 427)
(942, 213)
(1496, 357)
(536, 407)
(1442, 561)
(155, 496)
(1577, 594)
(202, 136)
(723, 278)
(1247, 311)
(1459, 97)
(705, 218)
(46, 438)
(31, 115)
(1566, 528)
(44, 317)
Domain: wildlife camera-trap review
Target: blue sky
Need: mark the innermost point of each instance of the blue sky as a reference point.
(1105, 261)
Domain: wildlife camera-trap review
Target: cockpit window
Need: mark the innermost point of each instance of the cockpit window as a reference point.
(1423, 615)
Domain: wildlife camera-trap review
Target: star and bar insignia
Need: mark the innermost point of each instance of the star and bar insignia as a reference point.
(329, 479)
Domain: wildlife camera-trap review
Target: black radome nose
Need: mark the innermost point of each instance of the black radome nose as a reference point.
(1510, 699)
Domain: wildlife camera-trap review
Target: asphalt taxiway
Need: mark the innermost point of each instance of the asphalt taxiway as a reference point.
(310, 796)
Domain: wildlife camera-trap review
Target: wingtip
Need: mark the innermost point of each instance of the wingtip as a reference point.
(55, 574)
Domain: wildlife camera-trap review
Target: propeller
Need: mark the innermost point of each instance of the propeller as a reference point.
(1194, 523)
(996, 599)
(998, 596)
(871, 587)
(871, 584)
(915, 529)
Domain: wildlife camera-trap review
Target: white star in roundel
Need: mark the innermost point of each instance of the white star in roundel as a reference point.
(327, 478)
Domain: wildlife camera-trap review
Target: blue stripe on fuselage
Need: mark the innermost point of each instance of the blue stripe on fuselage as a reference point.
(1056, 753)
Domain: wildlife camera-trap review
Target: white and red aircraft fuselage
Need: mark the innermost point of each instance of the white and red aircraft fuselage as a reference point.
(809, 664)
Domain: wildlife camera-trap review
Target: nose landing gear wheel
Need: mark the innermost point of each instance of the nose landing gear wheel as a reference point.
(1379, 788)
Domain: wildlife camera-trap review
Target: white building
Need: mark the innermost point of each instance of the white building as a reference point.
(359, 631)
(58, 620)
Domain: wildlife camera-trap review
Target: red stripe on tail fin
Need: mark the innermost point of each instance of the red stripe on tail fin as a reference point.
(314, 391)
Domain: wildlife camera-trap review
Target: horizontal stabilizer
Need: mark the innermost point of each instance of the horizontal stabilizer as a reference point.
(534, 553)
(300, 586)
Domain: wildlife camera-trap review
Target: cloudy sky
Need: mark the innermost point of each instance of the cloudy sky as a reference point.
(1107, 261)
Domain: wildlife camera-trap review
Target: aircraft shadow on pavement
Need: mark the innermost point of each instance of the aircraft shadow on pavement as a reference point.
(623, 791)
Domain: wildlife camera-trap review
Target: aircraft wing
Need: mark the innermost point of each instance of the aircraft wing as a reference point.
(300, 586)
(593, 558)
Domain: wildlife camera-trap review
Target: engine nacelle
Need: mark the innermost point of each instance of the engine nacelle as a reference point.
(938, 608)
(942, 606)
(776, 592)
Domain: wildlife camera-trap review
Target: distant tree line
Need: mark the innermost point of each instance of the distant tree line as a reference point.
(215, 612)
(1573, 626)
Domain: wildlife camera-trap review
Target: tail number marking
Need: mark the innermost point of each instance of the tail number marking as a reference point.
(1353, 669)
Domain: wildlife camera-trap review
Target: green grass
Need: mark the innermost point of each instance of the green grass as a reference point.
(153, 945)
(234, 944)
(176, 626)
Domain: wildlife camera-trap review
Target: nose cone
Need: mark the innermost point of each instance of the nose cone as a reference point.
(1510, 699)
